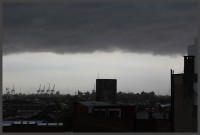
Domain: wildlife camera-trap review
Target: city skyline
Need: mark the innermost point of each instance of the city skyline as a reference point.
(70, 45)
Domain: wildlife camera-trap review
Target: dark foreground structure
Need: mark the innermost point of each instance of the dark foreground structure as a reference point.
(96, 116)
(184, 111)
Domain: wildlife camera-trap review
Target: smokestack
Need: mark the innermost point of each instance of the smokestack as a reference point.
(189, 75)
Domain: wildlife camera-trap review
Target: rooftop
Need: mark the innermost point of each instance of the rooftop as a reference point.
(97, 103)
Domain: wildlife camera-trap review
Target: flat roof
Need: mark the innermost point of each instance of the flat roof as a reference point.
(6, 124)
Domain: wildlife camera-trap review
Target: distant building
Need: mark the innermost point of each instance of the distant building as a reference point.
(183, 108)
(106, 89)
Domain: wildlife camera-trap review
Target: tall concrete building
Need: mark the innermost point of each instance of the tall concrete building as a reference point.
(106, 89)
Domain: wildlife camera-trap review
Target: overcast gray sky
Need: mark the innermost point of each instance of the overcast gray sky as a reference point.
(68, 44)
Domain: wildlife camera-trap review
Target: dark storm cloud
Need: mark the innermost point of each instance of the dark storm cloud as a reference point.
(84, 27)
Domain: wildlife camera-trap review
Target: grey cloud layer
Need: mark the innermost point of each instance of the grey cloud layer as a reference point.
(162, 29)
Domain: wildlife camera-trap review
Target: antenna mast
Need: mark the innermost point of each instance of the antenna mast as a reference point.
(42, 91)
(13, 90)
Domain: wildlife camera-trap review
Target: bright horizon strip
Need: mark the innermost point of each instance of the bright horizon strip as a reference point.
(134, 72)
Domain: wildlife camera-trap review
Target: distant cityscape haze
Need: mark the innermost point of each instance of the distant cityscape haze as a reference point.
(134, 72)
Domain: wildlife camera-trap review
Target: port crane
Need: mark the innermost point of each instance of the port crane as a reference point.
(13, 91)
(52, 91)
(48, 90)
(42, 91)
(38, 91)
(7, 91)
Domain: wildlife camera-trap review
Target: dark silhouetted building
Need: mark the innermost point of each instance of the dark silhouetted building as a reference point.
(183, 109)
(106, 89)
